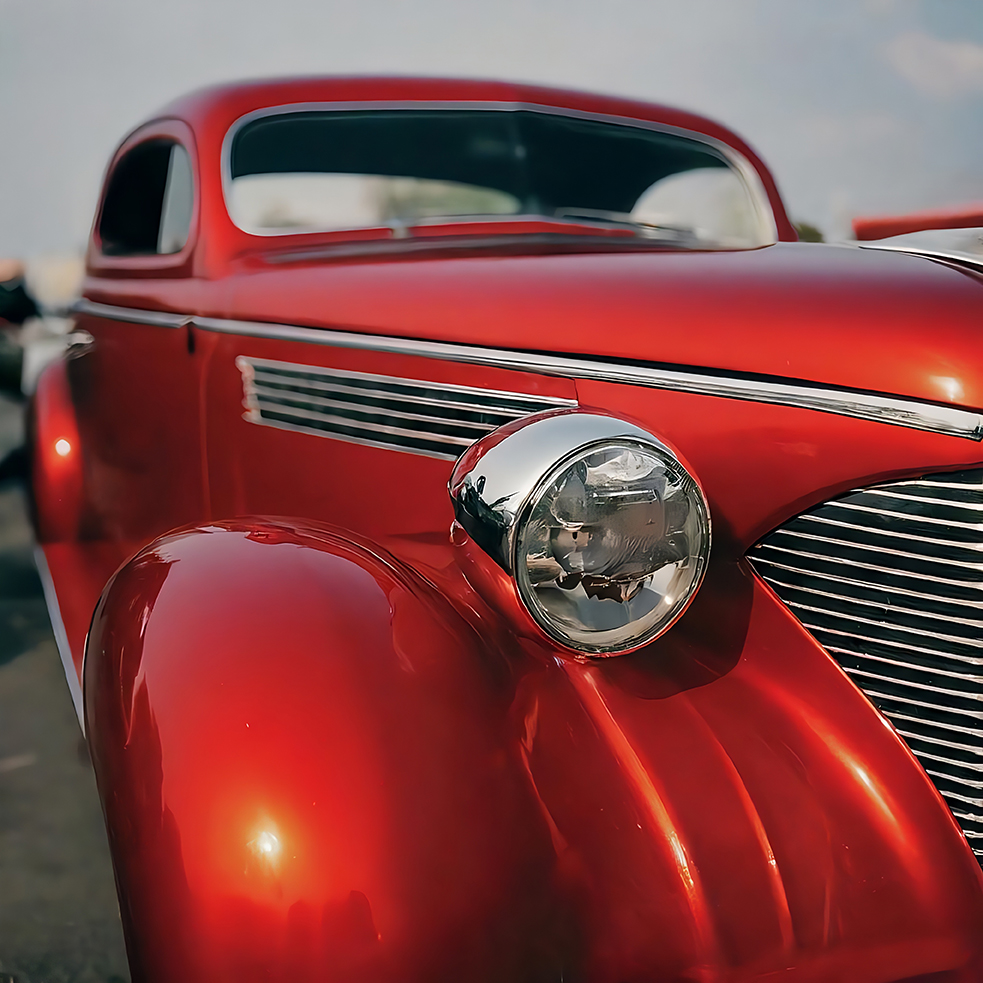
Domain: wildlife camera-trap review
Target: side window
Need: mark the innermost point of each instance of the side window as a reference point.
(147, 209)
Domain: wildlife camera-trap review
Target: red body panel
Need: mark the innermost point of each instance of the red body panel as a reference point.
(451, 796)
(445, 811)
(828, 314)
(57, 472)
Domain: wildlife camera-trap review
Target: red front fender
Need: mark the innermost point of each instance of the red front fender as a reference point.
(313, 768)
(301, 754)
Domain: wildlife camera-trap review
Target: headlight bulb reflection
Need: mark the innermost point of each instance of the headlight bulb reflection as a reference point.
(611, 546)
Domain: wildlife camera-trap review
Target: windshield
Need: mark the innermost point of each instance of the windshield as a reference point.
(331, 170)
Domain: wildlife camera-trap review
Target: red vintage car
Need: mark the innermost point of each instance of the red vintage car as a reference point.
(484, 545)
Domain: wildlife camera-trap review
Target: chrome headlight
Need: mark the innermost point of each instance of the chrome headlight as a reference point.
(604, 531)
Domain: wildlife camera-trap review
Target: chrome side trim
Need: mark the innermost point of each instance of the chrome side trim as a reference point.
(397, 413)
(61, 636)
(864, 406)
(952, 255)
(875, 407)
(133, 315)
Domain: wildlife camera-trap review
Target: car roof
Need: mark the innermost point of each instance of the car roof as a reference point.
(221, 105)
(210, 112)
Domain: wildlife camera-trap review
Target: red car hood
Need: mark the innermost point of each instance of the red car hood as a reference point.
(837, 315)
(830, 314)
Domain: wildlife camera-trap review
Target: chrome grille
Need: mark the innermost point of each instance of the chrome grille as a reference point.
(890, 581)
(429, 418)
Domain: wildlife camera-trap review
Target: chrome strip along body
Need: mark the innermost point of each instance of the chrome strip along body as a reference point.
(398, 413)
(878, 408)
(975, 260)
(61, 636)
(134, 315)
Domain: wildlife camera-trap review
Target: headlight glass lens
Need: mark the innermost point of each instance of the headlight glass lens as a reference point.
(612, 546)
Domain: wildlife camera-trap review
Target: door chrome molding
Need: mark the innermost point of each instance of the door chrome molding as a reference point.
(133, 315)
(875, 407)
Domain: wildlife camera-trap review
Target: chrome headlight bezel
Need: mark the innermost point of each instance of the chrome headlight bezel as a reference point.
(497, 483)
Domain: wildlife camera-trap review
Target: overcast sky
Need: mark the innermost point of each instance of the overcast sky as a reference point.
(858, 106)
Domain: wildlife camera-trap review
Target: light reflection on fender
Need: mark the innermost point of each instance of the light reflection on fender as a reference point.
(312, 768)
(56, 466)
(301, 756)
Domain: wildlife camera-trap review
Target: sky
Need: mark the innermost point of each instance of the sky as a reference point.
(858, 106)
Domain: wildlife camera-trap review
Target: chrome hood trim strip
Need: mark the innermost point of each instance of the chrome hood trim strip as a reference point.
(960, 256)
(878, 408)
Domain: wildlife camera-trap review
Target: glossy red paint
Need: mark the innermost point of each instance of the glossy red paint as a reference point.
(828, 314)
(436, 809)
(464, 800)
(283, 688)
(56, 465)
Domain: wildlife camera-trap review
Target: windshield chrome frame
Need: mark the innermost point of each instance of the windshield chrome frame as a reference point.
(767, 228)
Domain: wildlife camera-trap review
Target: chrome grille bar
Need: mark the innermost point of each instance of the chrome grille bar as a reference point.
(972, 626)
(940, 583)
(890, 581)
(430, 418)
(968, 528)
(909, 537)
(931, 600)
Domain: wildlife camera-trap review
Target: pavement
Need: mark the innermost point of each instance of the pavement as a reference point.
(59, 918)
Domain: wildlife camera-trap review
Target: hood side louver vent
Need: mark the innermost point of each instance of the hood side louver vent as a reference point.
(890, 581)
(429, 418)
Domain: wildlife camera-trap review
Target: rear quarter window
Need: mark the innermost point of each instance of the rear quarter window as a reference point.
(148, 204)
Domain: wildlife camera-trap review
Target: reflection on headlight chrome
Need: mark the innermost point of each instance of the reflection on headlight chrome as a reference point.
(607, 536)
